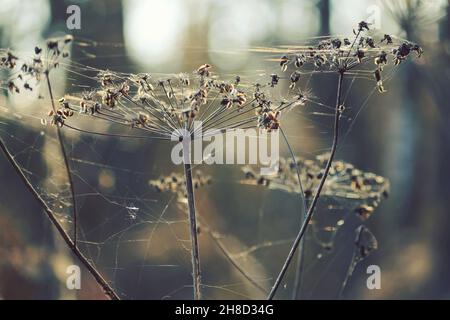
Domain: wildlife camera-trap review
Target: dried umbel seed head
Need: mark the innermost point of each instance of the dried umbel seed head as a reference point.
(362, 191)
(344, 54)
(32, 71)
(172, 103)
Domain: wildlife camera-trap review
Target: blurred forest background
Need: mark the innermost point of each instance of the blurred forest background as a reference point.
(402, 135)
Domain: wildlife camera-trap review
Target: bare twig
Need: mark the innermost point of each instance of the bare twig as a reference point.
(308, 217)
(107, 289)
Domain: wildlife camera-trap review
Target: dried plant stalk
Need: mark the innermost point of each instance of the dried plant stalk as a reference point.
(195, 255)
(107, 289)
(66, 162)
(308, 217)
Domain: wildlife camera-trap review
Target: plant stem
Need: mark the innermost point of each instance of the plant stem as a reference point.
(193, 228)
(308, 217)
(300, 261)
(107, 289)
(66, 161)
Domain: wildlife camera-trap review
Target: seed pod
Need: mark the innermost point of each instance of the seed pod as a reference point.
(284, 63)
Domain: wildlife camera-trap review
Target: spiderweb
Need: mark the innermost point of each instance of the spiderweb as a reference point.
(132, 221)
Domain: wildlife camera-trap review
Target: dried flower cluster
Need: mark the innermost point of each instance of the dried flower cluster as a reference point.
(344, 55)
(26, 73)
(344, 181)
(176, 184)
(168, 105)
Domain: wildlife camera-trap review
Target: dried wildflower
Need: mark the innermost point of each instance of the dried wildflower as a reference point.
(176, 183)
(402, 52)
(170, 104)
(360, 54)
(27, 86)
(284, 63)
(336, 43)
(364, 190)
(299, 60)
(381, 59)
(203, 70)
(274, 80)
(379, 80)
(13, 88)
(365, 211)
(269, 120)
(365, 243)
(387, 38)
(301, 97)
(370, 42)
(344, 54)
(319, 60)
(9, 61)
(295, 77)
(363, 26)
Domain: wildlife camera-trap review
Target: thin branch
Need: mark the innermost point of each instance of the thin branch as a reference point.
(107, 289)
(66, 161)
(308, 217)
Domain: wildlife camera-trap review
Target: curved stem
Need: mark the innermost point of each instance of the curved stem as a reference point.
(66, 162)
(300, 261)
(316, 195)
(107, 289)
